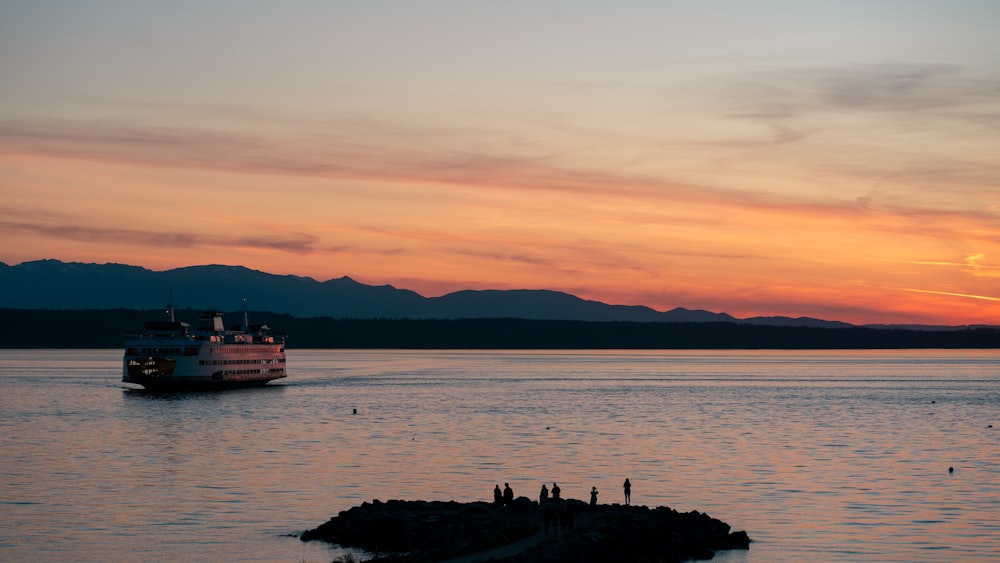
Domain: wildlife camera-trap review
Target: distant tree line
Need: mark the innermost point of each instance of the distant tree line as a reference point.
(23, 328)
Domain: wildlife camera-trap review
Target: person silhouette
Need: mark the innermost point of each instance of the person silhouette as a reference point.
(543, 495)
(497, 496)
(593, 496)
(555, 491)
(508, 495)
(628, 491)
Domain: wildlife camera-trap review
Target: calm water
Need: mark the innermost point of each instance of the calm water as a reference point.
(825, 456)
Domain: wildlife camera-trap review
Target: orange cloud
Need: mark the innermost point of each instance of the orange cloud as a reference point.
(325, 206)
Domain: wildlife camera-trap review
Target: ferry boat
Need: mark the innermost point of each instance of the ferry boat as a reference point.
(174, 355)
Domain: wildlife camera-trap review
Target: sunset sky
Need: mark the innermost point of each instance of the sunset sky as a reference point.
(838, 160)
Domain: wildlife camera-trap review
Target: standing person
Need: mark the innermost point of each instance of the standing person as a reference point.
(497, 496)
(508, 495)
(593, 496)
(543, 495)
(555, 491)
(628, 491)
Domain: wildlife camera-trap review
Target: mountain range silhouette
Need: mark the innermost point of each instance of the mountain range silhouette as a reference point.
(53, 284)
(53, 304)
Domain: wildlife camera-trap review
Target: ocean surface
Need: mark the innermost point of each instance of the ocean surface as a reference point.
(819, 456)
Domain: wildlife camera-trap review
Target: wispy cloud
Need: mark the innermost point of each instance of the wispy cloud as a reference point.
(324, 156)
(910, 87)
(951, 294)
(295, 243)
(689, 221)
(790, 92)
(976, 264)
(974, 261)
(930, 124)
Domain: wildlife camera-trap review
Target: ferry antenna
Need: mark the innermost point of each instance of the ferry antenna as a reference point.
(170, 306)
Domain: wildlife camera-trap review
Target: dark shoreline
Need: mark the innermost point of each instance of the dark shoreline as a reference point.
(562, 531)
(28, 328)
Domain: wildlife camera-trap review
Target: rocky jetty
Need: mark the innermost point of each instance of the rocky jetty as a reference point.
(560, 531)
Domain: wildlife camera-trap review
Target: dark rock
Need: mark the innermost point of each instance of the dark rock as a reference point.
(421, 531)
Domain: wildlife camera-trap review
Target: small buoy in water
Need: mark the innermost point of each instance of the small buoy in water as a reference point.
(951, 470)
(355, 411)
(989, 426)
(932, 402)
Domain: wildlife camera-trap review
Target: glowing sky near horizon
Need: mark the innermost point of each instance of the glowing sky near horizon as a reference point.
(838, 160)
